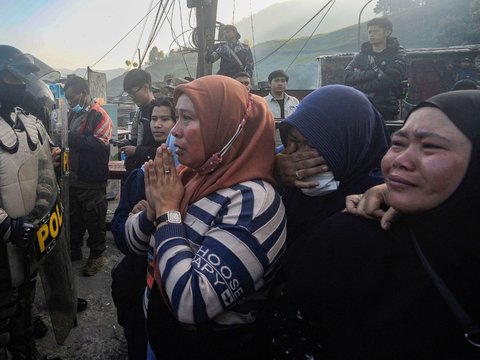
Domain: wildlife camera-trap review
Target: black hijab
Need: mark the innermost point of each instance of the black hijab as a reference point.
(347, 130)
(449, 235)
(463, 110)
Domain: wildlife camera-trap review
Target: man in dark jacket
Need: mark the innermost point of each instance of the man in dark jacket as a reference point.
(379, 68)
(235, 56)
(90, 129)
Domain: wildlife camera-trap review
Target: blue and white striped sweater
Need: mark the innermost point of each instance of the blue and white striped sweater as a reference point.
(218, 263)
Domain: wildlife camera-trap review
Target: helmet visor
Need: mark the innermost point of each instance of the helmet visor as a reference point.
(21, 66)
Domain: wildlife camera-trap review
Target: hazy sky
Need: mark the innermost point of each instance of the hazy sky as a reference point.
(77, 33)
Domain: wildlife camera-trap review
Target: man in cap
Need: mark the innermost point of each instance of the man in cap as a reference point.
(235, 56)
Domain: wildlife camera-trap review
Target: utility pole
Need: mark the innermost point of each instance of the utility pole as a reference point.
(359, 17)
(206, 20)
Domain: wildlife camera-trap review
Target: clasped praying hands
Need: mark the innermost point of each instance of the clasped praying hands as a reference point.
(163, 187)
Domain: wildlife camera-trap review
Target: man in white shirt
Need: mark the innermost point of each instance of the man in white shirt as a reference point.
(280, 103)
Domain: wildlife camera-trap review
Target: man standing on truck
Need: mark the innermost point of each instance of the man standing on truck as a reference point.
(379, 68)
(234, 55)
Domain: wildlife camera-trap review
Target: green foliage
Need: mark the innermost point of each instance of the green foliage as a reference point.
(131, 64)
(453, 31)
(460, 24)
(389, 7)
(475, 12)
(155, 56)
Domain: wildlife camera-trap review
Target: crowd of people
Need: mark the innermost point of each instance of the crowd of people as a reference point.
(342, 243)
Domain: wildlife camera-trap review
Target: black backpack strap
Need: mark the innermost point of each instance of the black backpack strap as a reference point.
(470, 327)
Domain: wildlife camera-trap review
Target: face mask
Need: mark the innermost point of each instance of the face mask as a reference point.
(77, 108)
(326, 184)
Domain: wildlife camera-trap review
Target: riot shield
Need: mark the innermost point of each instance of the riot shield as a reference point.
(57, 275)
(52, 248)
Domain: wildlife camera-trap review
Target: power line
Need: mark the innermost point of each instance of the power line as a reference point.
(165, 16)
(141, 34)
(158, 23)
(174, 36)
(181, 26)
(233, 14)
(253, 42)
(291, 37)
(184, 43)
(313, 32)
(128, 33)
(182, 52)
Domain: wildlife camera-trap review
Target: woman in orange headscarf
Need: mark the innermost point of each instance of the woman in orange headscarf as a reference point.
(218, 227)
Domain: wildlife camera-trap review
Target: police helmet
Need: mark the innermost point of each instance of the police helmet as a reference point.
(37, 97)
(16, 62)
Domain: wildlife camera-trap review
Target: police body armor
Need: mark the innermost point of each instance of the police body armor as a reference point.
(29, 190)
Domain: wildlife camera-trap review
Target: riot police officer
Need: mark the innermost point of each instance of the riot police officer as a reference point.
(30, 217)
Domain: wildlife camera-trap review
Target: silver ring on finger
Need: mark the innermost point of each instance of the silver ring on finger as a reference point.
(166, 171)
(298, 176)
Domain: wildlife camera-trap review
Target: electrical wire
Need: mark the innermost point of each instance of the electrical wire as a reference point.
(291, 37)
(189, 46)
(182, 51)
(158, 23)
(141, 34)
(313, 32)
(167, 15)
(123, 38)
(233, 14)
(190, 19)
(152, 31)
(176, 37)
(181, 25)
(253, 42)
(165, 18)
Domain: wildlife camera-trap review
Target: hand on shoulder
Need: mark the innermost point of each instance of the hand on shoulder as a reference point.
(371, 205)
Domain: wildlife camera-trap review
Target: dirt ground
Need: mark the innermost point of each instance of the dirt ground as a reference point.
(98, 335)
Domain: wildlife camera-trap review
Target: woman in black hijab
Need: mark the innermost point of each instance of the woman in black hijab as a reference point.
(412, 292)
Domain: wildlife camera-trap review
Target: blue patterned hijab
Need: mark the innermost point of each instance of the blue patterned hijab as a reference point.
(345, 128)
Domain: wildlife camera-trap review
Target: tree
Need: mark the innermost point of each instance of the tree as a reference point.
(389, 7)
(462, 25)
(131, 64)
(155, 56)
(452, 32)
(475, 12)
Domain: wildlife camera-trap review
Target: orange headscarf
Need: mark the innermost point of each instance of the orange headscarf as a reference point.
(221, 103)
